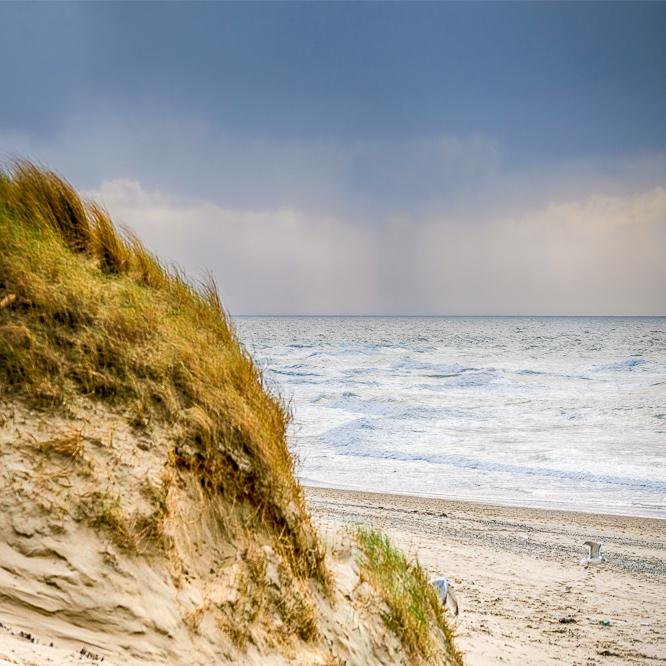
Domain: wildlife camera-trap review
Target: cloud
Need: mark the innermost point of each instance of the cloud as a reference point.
(602, 256)
(268, 261)
(368, 180)
(598, 215)
(554, 79)
(344, 158)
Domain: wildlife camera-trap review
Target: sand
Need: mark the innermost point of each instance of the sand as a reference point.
(524, 597)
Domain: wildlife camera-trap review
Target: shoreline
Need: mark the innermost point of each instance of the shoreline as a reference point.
(656, 514)
(524, 597)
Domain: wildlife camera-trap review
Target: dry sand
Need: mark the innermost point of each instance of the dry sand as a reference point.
(524, 597)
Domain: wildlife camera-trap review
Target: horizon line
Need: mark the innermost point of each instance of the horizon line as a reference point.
(460, 316)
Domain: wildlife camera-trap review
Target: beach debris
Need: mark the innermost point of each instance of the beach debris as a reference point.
(605, 623)
(594, 555)
(445, 594)
(567, 620)
(90, 655)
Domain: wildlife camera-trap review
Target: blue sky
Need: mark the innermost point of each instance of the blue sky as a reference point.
(363, 158)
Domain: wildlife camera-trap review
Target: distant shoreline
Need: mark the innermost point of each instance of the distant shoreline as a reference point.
(494, 505)
(412, 503)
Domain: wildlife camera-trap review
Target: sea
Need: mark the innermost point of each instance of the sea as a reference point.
(546, 412)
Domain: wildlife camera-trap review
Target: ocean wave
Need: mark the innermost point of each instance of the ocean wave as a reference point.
(409, 363)
(628, 365)
(349, 349)
(388, 407)
(419, 349)
(590, 391)
(472, 379)
(298, 370)
(319, 398)
(350, 439)
(571, 416)
(349, 435)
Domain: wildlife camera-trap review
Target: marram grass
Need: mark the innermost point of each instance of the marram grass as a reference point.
(413, 607)
(86, 310)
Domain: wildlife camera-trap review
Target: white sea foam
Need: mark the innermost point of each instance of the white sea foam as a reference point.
(552, 412)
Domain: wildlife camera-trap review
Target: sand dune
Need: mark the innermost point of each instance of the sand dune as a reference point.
(149, 513)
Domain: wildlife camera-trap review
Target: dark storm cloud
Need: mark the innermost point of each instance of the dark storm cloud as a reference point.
(545, 79)
(567, 79)
(42, 60)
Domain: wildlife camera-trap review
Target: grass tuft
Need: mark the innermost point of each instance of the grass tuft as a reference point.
(107, 511)
(42, 195)
(69, 446)
(113, 253)
(414, 611)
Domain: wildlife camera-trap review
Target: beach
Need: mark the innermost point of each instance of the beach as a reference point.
(524, 598)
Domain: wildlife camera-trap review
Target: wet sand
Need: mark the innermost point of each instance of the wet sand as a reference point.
(524, 597)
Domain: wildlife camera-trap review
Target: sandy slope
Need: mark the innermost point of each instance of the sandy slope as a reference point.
(66, 586)
(524, 598)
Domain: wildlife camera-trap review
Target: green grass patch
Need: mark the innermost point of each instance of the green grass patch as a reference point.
(414, 613)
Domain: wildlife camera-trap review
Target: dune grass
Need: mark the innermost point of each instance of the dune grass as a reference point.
(86, 310)
(414, 610)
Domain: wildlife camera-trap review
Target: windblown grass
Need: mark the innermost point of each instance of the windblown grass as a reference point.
(86, 310)
(414, 611)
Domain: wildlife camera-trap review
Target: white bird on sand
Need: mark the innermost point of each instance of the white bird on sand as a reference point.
(445, 594)
(594, 556)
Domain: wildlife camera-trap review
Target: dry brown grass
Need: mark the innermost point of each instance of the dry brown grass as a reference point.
(85, 310)
(68, 445)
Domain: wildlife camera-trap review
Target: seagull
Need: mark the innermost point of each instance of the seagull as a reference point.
(445, 594)
(594, 555)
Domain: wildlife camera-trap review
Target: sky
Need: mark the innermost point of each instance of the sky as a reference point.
(379, 158)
